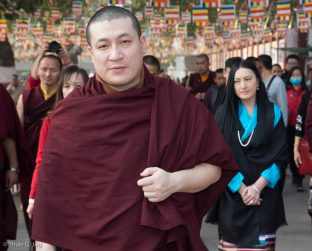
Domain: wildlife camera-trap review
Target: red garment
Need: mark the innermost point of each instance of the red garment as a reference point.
(293, 101)
(42, 139)
(308, 124)
(98, 144)
(33, 82)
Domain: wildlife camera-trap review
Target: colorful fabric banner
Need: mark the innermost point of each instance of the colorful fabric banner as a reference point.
(256, 14)
(307, 7)
(200, 16)
(256, 3)
(186, 17)
(3, 29)
(149, 12)
(181, 30)
(243, 16)
(69, 25)
(281, 27)
(56, 14)
(37, 31)
(210, 3)
(117, 2)
(227, 16)
(172, 14)
(303, 22)
(22, 25)
(209, 31)
(159, 3)
(228, 12)
(77, 9)
(283, 11)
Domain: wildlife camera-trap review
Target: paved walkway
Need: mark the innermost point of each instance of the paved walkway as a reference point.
(297, 236)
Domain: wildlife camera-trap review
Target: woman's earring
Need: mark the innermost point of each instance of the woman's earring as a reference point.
(257, 88)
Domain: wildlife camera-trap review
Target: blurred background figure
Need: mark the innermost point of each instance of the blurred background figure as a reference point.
(201, 81)
(274, 85)
(296, 88)
(152, 64)
(15, 88)
(290, 62)
(277, 70)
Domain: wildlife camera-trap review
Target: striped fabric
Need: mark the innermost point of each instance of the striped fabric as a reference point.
(267, 243)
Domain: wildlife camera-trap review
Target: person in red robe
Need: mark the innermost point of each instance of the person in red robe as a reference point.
(13, 161)
(33, 105)
(131, 161)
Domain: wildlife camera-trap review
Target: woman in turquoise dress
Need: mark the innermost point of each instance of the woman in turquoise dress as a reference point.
(251, 209)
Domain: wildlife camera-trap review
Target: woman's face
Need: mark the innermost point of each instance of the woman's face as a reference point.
(74, 80)
(296, 74)
(296, 79)
(245, 84)
(276, 70)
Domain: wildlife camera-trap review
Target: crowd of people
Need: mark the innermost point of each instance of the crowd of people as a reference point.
(129, 160)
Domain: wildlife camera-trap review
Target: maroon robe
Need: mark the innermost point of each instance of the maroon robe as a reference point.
(97, 146)
(198, 86)
(10, 127)
(35, 109)
(308, 124)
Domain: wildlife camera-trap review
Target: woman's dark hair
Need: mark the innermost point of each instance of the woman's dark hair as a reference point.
(65, 75)
(228, 121)
(289, 85)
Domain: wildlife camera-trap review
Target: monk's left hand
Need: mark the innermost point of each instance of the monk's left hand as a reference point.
(157, 184)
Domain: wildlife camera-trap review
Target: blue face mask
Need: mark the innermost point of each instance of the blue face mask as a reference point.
(295, 81)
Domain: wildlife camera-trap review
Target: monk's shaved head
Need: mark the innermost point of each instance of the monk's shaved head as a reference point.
(109, 13)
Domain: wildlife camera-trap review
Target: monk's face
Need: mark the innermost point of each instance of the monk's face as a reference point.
(117, 53)
(202, 65)
(49, 71)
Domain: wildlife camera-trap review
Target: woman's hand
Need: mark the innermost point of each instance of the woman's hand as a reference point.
(297, 156)
(251, 197)
(30, 209)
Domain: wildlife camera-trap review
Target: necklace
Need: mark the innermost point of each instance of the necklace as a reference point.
(239, 138)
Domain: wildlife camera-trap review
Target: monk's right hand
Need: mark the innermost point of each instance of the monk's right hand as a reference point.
(157, 184)
(30, 209)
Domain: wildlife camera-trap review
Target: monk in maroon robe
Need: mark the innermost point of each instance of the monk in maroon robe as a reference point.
(13, 160)
(32, 107)
(132, 161)
(201, 81)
